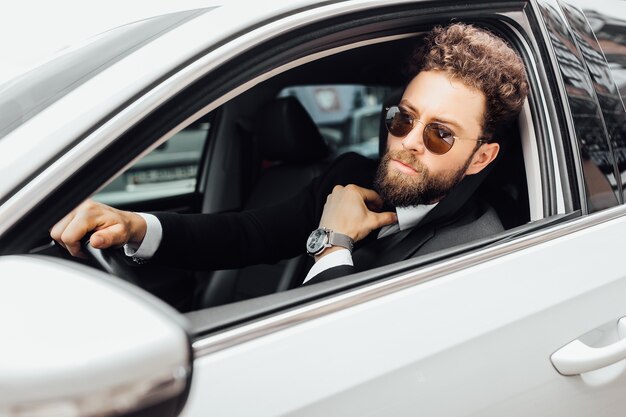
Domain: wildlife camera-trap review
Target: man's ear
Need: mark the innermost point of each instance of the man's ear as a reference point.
(486, 153)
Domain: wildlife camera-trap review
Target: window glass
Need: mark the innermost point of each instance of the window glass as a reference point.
(589, 122)
(348, 116)
(610, 30)
(30, 93)
(169, 170)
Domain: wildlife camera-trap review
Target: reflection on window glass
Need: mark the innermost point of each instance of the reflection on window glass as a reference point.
(169, 170)
(587, 115)
(347, 116)
(610, 30)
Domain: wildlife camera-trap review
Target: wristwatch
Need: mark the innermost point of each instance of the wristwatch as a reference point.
(323, 238)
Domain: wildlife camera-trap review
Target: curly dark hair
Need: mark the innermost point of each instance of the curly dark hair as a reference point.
(480, 60)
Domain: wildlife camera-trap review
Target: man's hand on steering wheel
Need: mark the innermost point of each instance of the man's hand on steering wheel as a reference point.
(110, 227)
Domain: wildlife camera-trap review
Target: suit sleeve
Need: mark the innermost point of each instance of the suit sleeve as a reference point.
(264, 235)
(331, 273)
(234, 240)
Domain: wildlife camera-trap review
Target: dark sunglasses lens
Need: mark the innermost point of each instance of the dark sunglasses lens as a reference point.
(398, 123)
(437, 138)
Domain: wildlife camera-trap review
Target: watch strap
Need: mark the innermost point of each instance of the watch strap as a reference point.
(339, 239)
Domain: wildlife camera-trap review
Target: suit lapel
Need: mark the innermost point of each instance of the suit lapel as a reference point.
(397, 247)
(407, 245)
(372, 252)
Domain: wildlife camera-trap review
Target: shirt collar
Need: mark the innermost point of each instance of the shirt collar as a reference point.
(412, 215)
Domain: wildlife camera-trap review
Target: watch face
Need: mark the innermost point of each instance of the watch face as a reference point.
(316, 241)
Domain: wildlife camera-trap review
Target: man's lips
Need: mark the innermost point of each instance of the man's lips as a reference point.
(401, 166)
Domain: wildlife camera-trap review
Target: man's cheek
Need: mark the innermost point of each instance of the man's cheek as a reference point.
(393, 143)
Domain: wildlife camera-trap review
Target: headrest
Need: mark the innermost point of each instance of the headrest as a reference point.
(287, 133)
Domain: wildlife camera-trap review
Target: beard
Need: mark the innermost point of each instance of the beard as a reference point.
(402, 190)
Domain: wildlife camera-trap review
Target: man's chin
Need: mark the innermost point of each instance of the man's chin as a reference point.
(397, 189)
(403, 179)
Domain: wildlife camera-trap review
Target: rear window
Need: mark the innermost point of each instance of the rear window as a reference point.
(348, 116)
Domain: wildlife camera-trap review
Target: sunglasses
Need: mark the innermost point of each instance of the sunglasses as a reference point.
(438, 138)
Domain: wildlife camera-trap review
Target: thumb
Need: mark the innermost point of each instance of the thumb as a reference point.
(383, 219)
(111, 236)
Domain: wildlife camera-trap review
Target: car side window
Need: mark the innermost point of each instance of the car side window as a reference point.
(611, 34)
(169, 170)
(348, 116)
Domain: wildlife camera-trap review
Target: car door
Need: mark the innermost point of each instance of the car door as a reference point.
(528, 325)
(472, 336)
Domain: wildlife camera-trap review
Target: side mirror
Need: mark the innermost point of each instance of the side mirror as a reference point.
(77, 342)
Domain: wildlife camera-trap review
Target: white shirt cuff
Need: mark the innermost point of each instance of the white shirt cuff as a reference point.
(336, 258)
(151, 241)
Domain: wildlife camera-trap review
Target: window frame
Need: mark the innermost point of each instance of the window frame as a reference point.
(227, 316)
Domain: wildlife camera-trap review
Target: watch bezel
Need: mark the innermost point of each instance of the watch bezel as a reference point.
(320, 244)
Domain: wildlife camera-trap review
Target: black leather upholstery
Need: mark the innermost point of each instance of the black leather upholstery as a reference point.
(287, 133)
(506, 188)
(294, 152)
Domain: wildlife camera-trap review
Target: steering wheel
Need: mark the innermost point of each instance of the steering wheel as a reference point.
(113, 261)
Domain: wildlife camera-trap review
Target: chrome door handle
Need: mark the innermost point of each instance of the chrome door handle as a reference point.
(577, 358)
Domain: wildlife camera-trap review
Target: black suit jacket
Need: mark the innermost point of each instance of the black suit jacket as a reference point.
(266, 235)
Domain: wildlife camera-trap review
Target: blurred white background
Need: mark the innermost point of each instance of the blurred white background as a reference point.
(31, 30)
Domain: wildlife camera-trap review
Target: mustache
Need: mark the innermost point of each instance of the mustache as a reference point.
(407, 158)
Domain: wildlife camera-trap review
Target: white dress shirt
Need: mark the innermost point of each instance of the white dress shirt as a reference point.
(150, 242)
(408, 217)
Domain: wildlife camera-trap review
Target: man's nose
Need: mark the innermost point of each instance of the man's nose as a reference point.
(414, 141)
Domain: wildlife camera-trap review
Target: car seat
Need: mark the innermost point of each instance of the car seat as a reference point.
(292, 152)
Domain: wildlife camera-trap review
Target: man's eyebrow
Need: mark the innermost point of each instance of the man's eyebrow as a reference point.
(408, 105)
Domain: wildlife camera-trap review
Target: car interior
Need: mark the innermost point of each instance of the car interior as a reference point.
(265, 143)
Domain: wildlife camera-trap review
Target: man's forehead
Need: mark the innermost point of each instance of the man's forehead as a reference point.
(441, 119)
(444, 98)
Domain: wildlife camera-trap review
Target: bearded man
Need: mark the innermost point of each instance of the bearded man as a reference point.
(418, 199)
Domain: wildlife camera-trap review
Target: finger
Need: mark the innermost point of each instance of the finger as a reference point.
(57, 230)
(370, 197)
(114, 235)
(374, 205)
(75, 231)
(75, 249)
(383, 219)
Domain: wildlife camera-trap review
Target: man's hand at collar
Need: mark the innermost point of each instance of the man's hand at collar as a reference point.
(354, 211)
